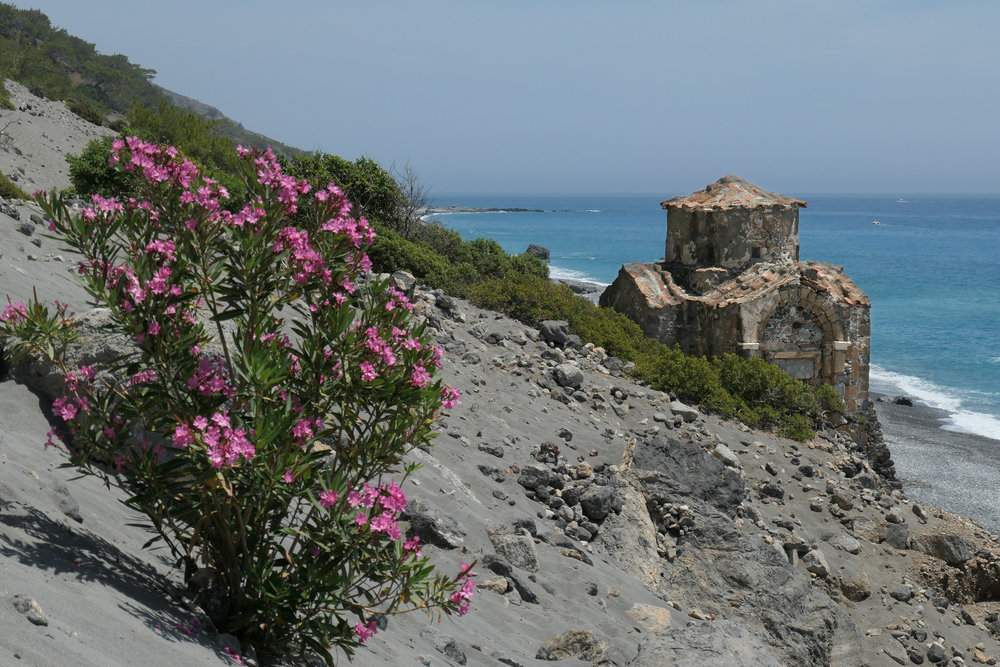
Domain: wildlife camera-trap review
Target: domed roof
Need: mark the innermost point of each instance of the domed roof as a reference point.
(731, 192)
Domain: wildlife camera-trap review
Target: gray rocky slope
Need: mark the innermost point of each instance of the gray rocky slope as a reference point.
(610, 525)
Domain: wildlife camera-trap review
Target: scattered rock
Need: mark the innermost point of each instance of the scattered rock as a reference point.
(518, 549)
(568, 375)
(31, 609)
(573, 644)
(950, 548)
(814, 561)
(432, 527)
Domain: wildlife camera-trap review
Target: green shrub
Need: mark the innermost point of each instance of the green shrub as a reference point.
(91, 172)
(829, 399)
(796, 427)
(86, 111)
(373, 190)
(9, 189)
(391, 252)
(259, 455)
(5, 102)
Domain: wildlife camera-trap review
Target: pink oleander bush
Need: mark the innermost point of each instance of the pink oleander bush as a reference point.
(273, 388)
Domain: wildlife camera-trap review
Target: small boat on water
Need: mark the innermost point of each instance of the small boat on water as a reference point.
(902, 201)
(876, 221)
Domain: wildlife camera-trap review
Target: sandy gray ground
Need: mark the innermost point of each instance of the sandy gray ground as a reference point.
(66, 542)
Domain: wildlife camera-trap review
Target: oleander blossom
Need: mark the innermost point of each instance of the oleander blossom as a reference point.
(464, 595)
(14, 312)
(276, 387)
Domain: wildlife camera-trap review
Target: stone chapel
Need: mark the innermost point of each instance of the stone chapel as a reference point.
(731, 281)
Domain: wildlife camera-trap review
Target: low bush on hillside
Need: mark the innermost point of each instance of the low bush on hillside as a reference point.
(5, 102)
(273, 388)
(86, 111)
(752, 390)
(9, 189)
(443, 260)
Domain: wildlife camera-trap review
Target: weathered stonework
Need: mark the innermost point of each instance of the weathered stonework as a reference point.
(731, 282)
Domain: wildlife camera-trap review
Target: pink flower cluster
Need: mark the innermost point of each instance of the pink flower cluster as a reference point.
(210, 378)
(365, 631)
(269, 175)
(390, 498)
(69, 406)
(449, 398)
(14, 312)
(462, 596)
(157, 164)
(306, 260)
(224, 444)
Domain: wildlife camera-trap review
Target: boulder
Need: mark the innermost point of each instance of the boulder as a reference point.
(814, 561)
(950, 548)
(517, 548)
(685, 412)
(554, 331)
(440, 530)
(538, 251)
(597, 502)
(568, 375)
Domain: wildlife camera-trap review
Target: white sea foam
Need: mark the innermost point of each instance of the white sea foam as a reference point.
(944, 398)
(560, 273)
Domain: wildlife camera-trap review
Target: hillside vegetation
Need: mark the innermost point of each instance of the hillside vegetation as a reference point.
(100, 88)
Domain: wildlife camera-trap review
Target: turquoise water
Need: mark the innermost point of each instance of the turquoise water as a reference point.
(929, 269)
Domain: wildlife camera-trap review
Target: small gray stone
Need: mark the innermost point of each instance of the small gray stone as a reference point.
(901, 593)
(554, 331)
(432, 528)
(727, 456)
(846, 543)
(685, 412)
(492, 449)
(30, 609)
(519, 550)
(568, 375)
(67, 503)
(597, 502)
(445, 644)
(897, 535)
(815, 562)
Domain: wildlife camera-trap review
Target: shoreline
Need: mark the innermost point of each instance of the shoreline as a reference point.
(956, 471)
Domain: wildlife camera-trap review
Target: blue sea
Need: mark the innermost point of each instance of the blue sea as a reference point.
(929, 268)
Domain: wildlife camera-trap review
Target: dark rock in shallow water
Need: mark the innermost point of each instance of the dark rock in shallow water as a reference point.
(538, 251)
(904, 401)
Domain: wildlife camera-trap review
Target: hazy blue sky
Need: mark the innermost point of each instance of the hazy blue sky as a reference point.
(586, 96)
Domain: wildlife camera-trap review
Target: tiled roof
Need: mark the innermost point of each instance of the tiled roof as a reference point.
(659, 288)
(731, 192)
